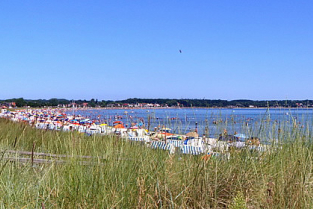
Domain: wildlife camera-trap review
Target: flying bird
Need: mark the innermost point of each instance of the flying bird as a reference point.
(180, 51)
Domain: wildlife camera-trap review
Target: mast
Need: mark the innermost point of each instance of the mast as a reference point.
(73, 106)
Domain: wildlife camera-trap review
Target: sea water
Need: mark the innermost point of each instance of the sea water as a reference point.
(209, 121)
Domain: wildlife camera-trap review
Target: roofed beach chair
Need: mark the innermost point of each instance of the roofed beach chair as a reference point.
(163, 146)
(140, 139)
(176, 143)
(186, 149)
(137, 139)
(41, 126)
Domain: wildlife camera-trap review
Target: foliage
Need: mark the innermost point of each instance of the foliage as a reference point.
(20, 102)
(239, 202)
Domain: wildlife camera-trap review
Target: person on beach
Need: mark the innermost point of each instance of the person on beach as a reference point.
(204, 139)
(225, 132)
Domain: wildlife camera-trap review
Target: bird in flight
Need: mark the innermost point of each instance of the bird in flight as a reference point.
(180, 51)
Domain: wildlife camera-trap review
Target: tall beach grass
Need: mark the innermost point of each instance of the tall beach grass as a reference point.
(121, 174)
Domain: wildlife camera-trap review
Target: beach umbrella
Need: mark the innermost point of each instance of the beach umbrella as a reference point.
(119, 126)
(103, 124)
(162, 135)
(166, 129)
(117, 122)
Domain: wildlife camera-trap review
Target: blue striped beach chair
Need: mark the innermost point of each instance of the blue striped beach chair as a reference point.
(160, 145)
(258, 148)
(214, 154)
(81, 130)
(137, 139)
(66, 128)
(130, 135)
(176, 143)
(51, 127)
(186, 149)
(41, 126)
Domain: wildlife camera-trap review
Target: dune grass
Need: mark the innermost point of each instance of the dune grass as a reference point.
(130, 175)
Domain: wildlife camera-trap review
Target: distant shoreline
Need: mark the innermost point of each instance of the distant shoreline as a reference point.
(157, 108)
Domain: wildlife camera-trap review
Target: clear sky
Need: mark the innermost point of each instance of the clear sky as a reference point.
(78, 49)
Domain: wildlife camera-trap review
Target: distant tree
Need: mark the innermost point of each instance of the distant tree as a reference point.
(53, 102)
(92, 103)
(20, 102)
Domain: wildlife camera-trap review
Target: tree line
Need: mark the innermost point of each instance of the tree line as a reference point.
(54, 102)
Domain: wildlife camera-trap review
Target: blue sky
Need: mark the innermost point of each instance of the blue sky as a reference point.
(260, 50)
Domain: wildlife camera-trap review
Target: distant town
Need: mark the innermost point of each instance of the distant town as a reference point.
(154, 103)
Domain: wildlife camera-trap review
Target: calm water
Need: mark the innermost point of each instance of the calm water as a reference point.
(209, 121)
